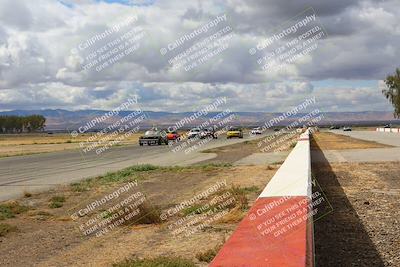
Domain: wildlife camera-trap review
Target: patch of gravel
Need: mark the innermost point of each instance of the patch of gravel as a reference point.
(363, 229)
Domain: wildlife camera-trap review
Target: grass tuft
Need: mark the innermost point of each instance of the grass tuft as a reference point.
(126, 174)
(240, 196)
(251, 189)
(208, 255)
(148, 215)
(156, 262)
(56, 202)
(238, 193)
(131, 173)
(55, 205)
(9, 210)
(211, 166)
(80, 187)
(6, 228)
(195, 209)
(57, 199)
(269, 167)
(43, 213)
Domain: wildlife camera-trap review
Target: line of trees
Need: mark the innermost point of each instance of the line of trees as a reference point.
(20, 124)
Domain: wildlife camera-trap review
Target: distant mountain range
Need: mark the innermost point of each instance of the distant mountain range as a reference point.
(59, 119)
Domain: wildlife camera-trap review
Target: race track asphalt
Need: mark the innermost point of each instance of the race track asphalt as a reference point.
(39, 172)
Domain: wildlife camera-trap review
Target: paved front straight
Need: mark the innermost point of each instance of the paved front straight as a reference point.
(35, 173)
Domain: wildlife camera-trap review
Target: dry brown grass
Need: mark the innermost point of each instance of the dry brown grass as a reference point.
(331, 141)
(44, 138)
(6, 228)
(209, 254)
(151, 238)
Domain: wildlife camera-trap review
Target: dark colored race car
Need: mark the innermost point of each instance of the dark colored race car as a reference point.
(153, 137)
(210, 132)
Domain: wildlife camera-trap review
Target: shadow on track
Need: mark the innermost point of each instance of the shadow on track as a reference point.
(340, 237)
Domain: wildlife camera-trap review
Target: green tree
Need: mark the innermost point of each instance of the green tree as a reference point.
(393, 91)
(19, 124)
(2, 124)
(35, 123)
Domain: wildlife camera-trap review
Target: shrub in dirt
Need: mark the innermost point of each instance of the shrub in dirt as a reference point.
(79, 187)
(240, 197)
(6, 228)
(9, 210)
(208, 255)
(149, 214)
(56, 202)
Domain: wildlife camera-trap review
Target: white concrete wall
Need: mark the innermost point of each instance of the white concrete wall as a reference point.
(294, 176)
(388, 130)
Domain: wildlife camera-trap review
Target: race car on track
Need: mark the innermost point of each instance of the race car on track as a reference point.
(153, 137)
(193, 133)
(256, 131)
(234, 132)
(173, 135)
(204, 133)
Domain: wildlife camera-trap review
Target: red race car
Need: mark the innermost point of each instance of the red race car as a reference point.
(173, 135)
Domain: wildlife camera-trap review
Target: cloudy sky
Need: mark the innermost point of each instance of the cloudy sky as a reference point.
(49, 50)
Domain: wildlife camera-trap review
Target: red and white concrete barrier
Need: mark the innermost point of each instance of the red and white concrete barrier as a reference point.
(278, 229)
(388, 130)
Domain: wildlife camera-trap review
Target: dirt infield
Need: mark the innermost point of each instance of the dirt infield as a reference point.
(331, 141)
(363, 229)
(47, 236)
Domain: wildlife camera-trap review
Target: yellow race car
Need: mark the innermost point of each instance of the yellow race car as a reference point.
(234, 132)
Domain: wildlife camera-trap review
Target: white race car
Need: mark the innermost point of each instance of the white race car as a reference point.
(256, 131)
(193, 133)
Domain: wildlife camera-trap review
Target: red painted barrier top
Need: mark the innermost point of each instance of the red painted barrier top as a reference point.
(278, 229)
